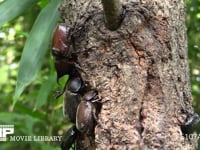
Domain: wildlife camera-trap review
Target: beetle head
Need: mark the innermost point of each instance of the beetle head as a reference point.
(74, 85)
(91, 95)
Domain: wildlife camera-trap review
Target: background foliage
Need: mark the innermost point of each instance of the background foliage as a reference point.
(36, 111)
(193, 26)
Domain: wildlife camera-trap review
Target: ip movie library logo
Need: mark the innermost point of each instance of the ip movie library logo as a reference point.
(5, 130)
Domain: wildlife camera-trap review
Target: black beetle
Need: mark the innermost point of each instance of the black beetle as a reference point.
(190, 125)
(69, 138)
(86, 112)
(72, 98)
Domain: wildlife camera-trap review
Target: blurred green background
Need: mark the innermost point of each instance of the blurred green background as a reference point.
(36, 111)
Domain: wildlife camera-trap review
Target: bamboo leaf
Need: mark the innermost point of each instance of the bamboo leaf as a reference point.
(36, 46)
(10, 9)
(44, 92)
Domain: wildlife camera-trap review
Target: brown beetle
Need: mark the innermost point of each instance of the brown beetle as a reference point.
(86, 112)
(64, 66)
(61, 42)
(62, 51)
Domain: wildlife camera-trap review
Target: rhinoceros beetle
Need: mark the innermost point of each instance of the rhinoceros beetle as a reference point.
(69, 138)
(86, 112)
(191, 124)
(62, 51)
(63, 46)
(61, 42)
(72, 98)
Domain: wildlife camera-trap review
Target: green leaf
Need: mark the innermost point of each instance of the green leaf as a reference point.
(10, 9)
(44, 92)
(49, 147)
(22, 108)
(9, 118)
(23, 122)
(36, 46)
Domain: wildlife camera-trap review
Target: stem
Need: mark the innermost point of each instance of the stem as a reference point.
(112, 13)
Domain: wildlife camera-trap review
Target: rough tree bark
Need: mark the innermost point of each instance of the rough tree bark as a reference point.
(140, 71)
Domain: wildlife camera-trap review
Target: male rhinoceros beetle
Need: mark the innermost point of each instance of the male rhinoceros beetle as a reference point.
(86, 112)
(62, 51)
(61, 42)
(69, 138)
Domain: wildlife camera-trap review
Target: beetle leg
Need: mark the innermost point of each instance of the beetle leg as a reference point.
(78, 67)
(57, 94)
(95, 117)
(94, 114)
(60, 92)
(96, 100)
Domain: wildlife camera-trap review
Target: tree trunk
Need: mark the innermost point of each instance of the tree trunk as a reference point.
(140, 72)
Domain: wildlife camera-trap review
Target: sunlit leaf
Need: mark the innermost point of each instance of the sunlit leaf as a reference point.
(3, 73)
(36, 46)
(10, 9)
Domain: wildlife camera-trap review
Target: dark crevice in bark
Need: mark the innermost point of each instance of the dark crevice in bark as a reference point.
(141, 118)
